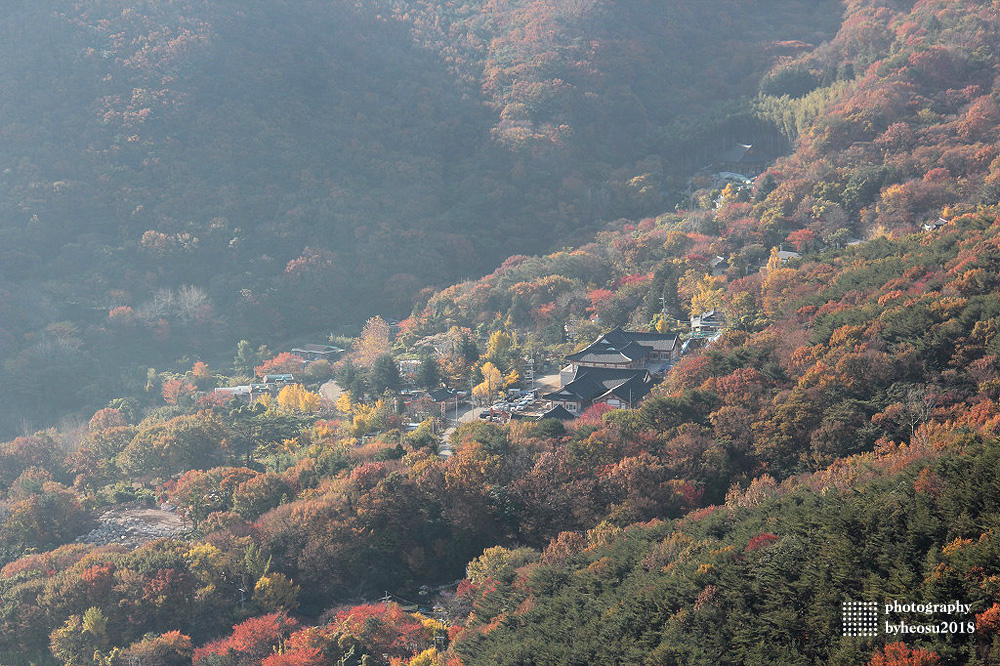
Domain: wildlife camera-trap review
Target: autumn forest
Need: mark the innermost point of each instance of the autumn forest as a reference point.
(296, 302)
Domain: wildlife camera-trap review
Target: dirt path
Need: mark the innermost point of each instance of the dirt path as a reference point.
(331, 391)
(547, 383)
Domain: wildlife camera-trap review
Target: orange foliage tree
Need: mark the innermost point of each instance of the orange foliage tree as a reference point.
(898, 654)
(251, 641)
(283, 364)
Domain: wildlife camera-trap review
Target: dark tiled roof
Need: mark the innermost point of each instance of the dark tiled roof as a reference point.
(629, 391)
(620, 347)
(591, 383)
(574, 391)
(741, 153)
(604, 351)
(441, 394)
(655, 341)
(557, 412)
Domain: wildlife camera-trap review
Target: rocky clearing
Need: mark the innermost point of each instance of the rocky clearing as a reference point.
(132, 527)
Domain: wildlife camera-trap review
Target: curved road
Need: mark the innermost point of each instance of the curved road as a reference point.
(545, 384)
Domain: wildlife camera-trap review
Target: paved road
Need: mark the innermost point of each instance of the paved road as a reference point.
(467, 413)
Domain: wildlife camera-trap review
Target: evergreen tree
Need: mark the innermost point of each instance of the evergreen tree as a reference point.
(765, 186)
(428, 373)
(247, 358)
(467, 348)
(384, 374)
(351, 380)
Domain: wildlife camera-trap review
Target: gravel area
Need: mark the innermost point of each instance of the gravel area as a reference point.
(133, 527)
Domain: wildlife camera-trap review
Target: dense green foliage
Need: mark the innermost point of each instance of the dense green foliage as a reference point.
(760, 580)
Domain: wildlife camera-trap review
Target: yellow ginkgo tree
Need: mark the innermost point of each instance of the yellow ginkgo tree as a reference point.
(492, 382)
(296, 398)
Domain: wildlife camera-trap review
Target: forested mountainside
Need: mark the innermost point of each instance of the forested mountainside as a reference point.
(837, 440)
(178, 173)
(839, 444)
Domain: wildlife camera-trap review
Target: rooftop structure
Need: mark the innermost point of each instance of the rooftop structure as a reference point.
(590, 385)
(743, 159)
(626, 349)
(312, 352)
(707, 324)
(558, 412)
